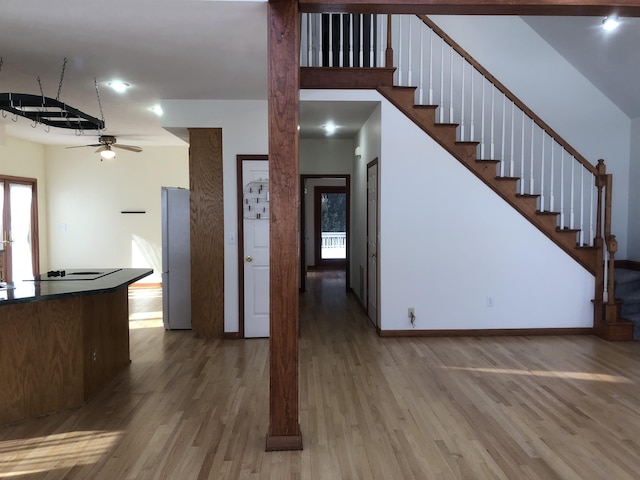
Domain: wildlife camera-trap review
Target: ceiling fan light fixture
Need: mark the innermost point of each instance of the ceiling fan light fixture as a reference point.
(119, 86)
(107, 153)
(610, 23)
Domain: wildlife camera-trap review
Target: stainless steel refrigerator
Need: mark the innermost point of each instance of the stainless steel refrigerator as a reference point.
(176, 259)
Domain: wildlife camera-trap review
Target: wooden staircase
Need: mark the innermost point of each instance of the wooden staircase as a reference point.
(424, 116)
(486, 170)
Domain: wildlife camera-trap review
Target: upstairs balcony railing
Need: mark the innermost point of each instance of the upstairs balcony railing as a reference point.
(486, 112)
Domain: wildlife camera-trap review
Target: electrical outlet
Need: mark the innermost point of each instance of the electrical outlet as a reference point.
(411, 313)
(490, 302)
(94, 357)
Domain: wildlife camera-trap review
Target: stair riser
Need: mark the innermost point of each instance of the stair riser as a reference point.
(629, 308)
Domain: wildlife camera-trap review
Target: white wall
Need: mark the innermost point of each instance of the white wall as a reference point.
(633, 252)
(244, 131)
(447, 242)
(86, 196)
(368, 139)
(328, 156)
(526, 64)
(21, 158)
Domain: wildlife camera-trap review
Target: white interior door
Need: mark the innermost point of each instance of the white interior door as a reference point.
(255, 208)
(372, 243)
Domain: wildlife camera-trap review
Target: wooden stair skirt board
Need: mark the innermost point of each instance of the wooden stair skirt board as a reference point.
(496, 332)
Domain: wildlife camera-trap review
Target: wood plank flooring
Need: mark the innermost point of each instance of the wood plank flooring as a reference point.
(370, 408)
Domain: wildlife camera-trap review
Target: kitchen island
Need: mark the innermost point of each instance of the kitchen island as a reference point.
(62, 338)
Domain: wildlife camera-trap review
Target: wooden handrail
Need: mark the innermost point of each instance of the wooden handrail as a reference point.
(464, 54)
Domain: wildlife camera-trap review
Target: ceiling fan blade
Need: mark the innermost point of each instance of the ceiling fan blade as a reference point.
(82, 146)
(101, 149)
(131, 148)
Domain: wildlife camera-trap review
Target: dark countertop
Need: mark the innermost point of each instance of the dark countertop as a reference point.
(76, 282)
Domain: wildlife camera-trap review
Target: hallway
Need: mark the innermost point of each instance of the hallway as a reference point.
(395, 408)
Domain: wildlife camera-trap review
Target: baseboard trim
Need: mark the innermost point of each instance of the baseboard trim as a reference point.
(231, 335)
(521, 332)
(628, 264)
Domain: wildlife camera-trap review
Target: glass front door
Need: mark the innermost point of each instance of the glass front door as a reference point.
(19, 228)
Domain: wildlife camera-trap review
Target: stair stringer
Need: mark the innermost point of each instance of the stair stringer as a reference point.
(466, 152)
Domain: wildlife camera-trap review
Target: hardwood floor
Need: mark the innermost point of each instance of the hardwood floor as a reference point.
(371, 408)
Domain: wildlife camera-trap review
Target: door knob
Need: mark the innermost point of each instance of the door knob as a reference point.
(249, 258)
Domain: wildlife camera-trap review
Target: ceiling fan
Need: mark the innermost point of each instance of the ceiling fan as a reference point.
(106, 145)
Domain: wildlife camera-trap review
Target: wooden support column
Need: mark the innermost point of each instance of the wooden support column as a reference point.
(283, 77)
(207, 232)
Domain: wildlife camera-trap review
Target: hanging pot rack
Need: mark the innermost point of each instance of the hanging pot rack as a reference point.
(50, 111)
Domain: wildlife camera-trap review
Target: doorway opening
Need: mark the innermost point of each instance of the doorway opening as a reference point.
(325, 225)
(19, 227)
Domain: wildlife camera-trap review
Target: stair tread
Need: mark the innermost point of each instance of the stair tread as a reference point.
(624, 275)
(527, 195)
(508, 178)
(479, 160)
(430, 107)
(546, 212)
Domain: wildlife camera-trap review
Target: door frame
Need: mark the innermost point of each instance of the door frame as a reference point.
(301, 229)
(239, 207)
(6, 221)
(371, 164)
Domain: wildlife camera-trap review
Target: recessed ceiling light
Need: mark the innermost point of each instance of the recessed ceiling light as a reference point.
(610, 23)
(118, 86)
(157, 109)
(329, 128)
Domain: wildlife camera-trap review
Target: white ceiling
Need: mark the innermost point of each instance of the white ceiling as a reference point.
(199, 49)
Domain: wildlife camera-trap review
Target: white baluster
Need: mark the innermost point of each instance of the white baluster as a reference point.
(552, 202)
(361, 22)
(504, 112)
(331, 40)
(382, 39)
(451, 85)
(581, 235)
(400, 49)
(430, 67)
(512, 159)
(493, 121)
(542, 174)
(441, 107)
(482, 111)
(472, 132)
(409, 56)
(352, 38)
(320, 60)
(462, 101)
(341, 42)
(572, 190)
(562, 222)
(522, 177)
(531, 189)
(421, 81)
(591, 233)
(372, 54)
